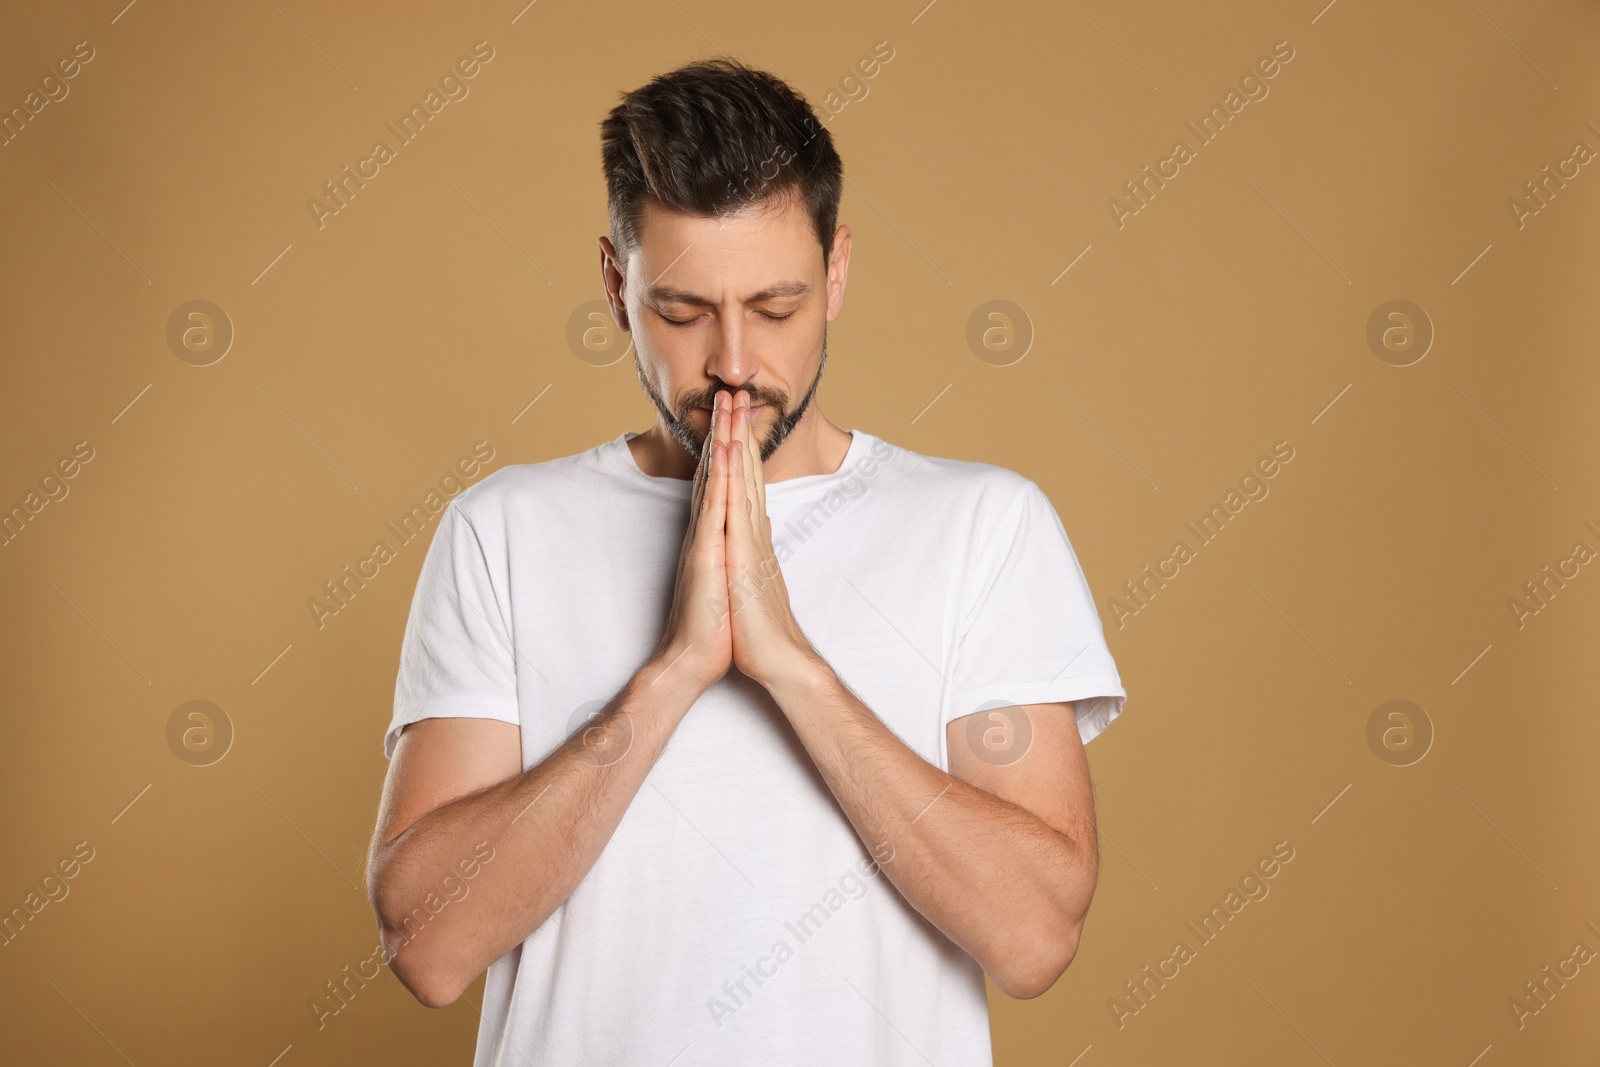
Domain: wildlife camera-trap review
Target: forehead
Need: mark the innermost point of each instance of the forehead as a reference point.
(746, 251)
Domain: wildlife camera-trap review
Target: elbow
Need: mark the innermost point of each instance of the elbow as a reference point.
(421, 977)
(1035, 974)
(435, 995)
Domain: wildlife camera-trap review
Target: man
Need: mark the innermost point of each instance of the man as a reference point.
(745, 739)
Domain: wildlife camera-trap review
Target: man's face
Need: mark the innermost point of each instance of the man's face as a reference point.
(729, 303)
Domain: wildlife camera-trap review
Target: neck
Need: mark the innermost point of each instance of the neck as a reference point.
(814, 446)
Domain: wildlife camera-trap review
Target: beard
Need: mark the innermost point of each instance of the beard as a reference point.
(693, 440)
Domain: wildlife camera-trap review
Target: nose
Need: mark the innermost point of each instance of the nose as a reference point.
(730, 360)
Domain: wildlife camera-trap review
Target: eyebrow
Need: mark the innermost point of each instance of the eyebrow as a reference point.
(673, 295)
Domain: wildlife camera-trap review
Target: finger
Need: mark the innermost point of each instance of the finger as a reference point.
(758, 472)
(702, 472)
(735, 484)
(746, 474)
(717, 498)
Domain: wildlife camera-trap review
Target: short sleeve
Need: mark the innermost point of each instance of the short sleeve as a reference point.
(1030, 633)
(456, 659)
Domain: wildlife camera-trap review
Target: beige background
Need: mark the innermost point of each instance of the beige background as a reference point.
(1230, 313)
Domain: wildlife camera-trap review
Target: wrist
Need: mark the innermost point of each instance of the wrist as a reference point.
(801, 673)
(667, 672)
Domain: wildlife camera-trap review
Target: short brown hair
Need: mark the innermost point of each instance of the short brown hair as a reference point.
(713, 137)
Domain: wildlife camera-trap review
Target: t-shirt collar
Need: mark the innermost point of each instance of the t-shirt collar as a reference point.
(619, 457)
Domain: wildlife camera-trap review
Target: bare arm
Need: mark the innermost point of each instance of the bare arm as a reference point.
(1004, 864)
(455, 783)
(1002, 859)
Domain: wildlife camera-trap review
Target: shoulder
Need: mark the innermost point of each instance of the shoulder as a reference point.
(985, 490)
(487, 502)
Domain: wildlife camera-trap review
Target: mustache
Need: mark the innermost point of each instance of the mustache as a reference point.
(704, 404)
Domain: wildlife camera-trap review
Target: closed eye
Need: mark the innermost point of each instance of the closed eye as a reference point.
(763, 314)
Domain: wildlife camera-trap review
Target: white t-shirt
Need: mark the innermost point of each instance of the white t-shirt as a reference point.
(735, 917)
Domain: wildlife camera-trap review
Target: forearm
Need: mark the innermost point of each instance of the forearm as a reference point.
(995, 878)
(546, 826)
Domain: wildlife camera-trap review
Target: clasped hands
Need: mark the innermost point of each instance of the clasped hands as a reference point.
(730, 605)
